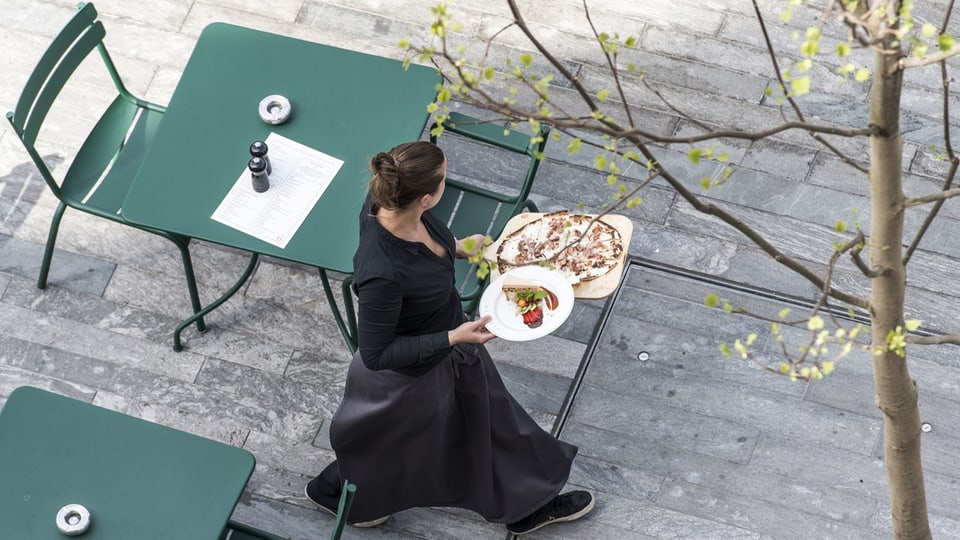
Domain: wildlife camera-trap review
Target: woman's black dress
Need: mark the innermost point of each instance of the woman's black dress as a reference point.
(424, 424)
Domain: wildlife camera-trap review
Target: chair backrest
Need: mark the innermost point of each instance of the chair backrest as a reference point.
(465, 204)
(81, 35)
(484, 207)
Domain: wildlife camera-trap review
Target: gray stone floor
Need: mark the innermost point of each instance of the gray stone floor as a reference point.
(683, 445)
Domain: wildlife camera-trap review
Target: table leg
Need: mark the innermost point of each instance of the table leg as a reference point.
(348, 328)
(254, 258)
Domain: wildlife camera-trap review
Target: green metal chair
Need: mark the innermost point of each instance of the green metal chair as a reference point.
(469, 209)
(103, 169)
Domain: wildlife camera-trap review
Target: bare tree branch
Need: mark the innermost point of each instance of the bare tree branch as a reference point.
(858, 259)
(939, 196)
(933, 340)
(613, 68)
(946, 191)
(793, 104)
(939, 56)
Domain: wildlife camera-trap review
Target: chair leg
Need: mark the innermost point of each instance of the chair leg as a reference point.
(184, 245)
(343, 509)
(51, 242)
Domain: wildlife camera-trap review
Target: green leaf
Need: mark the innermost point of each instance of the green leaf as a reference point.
(602, 94)
(488, 73)
(800, 86)
(725, 350)
(526, 59)
(694, 155)
(723, 157)
(705, 183)
(711, 300)
(404, 44)
(600, 162)
(810, 48)
(741, 348)
(432, 108)
(574, 146)
(630, 42)
(928, 30)
(841, 226)
(815, 323)
(843, 50)
(862, 75)
(913, 325)
(945, 42)
(783, 313)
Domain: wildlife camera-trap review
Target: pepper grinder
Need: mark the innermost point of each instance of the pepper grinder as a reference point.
(259, 149)
(258, 174)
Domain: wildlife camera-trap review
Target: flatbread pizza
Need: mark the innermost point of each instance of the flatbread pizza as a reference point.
(580, 246)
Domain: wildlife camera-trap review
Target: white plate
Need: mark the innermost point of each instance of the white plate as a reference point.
(506, 324)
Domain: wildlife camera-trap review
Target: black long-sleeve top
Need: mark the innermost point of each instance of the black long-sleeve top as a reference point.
(407, 296)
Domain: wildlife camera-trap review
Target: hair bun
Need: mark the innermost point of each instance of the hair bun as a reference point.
(383, 163)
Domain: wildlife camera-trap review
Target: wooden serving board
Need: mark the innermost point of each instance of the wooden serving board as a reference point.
(601, 287)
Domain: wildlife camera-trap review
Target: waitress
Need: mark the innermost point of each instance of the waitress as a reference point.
(425, 418)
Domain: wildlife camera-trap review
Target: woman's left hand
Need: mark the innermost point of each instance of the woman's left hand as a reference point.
(471, 332)
(471, 245)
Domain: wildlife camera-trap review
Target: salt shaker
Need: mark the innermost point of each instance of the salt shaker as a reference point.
(259, 149)
(258, 174)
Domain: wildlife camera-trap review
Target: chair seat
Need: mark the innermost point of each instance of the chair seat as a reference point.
(115, 147)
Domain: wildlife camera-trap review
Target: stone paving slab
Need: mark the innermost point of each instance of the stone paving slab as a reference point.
(742, 449)
(683, 446)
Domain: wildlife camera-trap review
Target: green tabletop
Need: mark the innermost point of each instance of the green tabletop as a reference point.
(346, 104)
(139, 480)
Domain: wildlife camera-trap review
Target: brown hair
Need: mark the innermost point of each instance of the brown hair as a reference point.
(405, 173)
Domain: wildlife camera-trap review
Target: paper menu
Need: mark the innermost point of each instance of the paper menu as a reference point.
(300, 176)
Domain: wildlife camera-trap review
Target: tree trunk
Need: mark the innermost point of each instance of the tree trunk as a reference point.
(896, 391)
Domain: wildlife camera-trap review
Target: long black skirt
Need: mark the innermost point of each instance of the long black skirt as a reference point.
(453, 436)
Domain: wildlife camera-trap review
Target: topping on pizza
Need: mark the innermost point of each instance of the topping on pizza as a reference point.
(530, 299)
(581, 247)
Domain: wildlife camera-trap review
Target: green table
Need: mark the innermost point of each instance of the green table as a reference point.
(346, 104)
(138, 479)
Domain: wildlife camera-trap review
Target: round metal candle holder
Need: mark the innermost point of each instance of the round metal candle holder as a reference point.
(73, 520)
(275, 109)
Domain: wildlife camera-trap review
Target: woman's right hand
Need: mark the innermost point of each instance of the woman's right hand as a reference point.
(471, 332)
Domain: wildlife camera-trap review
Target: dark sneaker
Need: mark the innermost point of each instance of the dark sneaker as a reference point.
(566, 507)
(317, 492)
